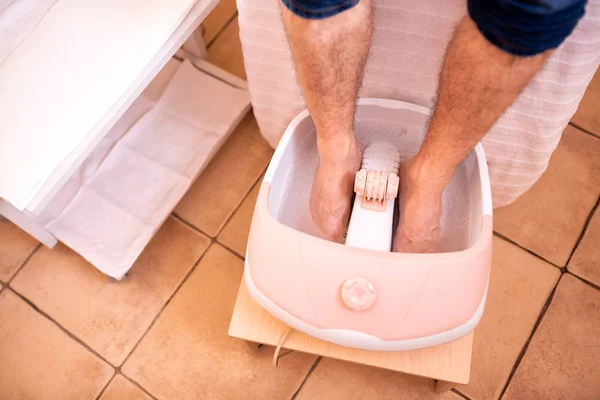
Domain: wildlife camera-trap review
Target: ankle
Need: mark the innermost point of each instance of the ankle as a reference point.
(427, 175)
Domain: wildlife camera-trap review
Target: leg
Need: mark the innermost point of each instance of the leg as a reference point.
(330, 55)
(478, 82)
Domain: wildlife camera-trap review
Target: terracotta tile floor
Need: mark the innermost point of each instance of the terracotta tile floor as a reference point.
(67, 332)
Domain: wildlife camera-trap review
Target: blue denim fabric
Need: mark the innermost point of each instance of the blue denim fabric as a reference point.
(318, 9)
(519, 27)
(526, 27)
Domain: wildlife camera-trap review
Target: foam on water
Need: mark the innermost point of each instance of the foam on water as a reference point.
(381, 156)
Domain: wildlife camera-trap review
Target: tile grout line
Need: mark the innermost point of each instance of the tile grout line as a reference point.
(585, 281)
(285, 353)
(214, 39)
(35, 250)
(525, 347)
(112, 378)
(584, 130)
(62, 328)
(185, 278)
(233, 252)
(310, 371)
(213, 240)
(583, 231)
(143, 389)
(459, 393)
(533, 331)
(256, 182)
(117, 369)
(189, 225)
(509, 240)
(224, 224)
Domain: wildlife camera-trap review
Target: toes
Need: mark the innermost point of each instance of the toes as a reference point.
(408, 246)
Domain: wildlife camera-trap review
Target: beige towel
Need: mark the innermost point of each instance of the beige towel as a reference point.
(409, 41)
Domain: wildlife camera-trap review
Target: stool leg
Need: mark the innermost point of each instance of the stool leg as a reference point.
(252, 347)
(444, 386)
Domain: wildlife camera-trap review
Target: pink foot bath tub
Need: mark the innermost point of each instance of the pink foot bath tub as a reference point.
(360, 294)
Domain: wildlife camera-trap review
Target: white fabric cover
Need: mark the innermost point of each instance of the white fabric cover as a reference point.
(123, 192)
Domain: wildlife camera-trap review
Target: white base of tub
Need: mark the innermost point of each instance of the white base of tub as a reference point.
(360, 340)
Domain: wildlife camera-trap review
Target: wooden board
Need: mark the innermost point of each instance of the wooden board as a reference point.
(448, 362)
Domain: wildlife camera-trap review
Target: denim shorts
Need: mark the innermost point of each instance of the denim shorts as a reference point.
(519, 27)
(318, 9)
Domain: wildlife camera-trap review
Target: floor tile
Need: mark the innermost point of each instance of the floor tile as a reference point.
(218, 18)
(40, 361)
(587, 115)
(187, 354)
(563, 358)
(519, 287)
(235, 233)
(586, 259)
(226, 50)
(229, 177)
(549, 218)
(121, 388)
(339, 380)
(15, 247)
(111, 317)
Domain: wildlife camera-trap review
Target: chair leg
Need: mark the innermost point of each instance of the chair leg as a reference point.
(444, 386)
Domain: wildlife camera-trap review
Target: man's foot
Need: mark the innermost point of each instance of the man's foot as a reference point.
(333, 185)
(420, 208)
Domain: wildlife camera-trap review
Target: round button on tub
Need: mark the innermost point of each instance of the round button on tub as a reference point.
(358, 294)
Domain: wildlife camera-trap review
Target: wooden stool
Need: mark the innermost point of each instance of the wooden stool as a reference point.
(449, 364)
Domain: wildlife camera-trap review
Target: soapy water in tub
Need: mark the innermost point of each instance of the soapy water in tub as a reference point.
(405, 130)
